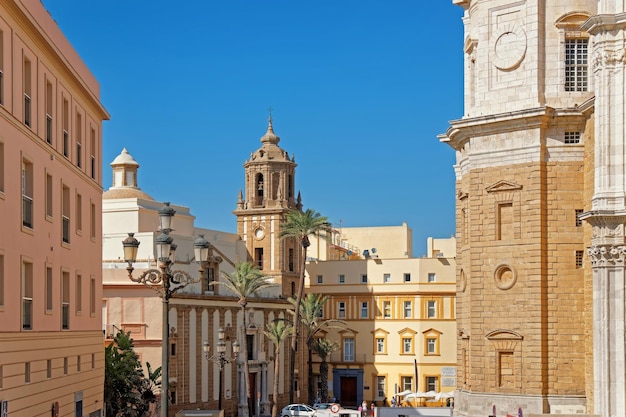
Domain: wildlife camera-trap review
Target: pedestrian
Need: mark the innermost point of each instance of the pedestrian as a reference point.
(372, 409)
(393, 401)
(364, 408)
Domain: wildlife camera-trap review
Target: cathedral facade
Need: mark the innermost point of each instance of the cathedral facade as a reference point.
(541, 202)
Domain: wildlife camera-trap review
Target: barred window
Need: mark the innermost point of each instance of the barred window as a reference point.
(576, 64)
(572, 138)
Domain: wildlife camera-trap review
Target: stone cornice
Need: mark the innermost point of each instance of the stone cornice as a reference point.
(462, 129)
(604, 22)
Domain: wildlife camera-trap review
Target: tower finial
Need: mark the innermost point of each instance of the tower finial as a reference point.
(269, 119)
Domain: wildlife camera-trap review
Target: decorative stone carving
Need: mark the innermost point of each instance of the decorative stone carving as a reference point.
(607, 255)
(505, 277)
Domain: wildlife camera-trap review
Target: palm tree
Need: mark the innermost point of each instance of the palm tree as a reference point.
(324, 347)
(245, 282)
(311, 309)
(277, 331)
(299, 225)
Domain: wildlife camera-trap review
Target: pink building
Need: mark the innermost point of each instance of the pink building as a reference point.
(51, 341)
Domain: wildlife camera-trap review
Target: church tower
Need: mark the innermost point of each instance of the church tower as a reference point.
(524, 175)
(269, 194)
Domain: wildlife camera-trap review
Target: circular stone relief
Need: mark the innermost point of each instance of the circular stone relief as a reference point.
(505, 277)
(510, 47)
(259, 233)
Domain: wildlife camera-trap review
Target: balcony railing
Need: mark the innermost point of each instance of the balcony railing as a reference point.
(66, 229)
(27, 313)
(338, 357)
(27, 211)
(65, 312)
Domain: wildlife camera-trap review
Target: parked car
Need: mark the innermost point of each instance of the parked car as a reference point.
(336, 411)
(322, 406)
(297, 410)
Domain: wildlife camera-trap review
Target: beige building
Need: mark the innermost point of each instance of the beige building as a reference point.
(540, 208)
(197, 312)
(51, 355)
(399, 314)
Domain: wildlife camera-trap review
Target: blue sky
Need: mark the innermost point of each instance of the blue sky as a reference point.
(359, 91)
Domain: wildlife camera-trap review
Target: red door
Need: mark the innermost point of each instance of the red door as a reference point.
(348, 391)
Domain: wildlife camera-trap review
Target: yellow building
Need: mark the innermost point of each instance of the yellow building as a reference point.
(400, 327)
(51, 356)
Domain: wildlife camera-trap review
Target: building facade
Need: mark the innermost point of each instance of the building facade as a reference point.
(200, 310)
(51, 356)
(398, 330)
(540, 208)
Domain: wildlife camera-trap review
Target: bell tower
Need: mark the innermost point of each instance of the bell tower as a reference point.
(268, 195)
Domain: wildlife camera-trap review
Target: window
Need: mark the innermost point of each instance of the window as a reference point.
(387, 309)
(348, 349)
(579, 259)
(27, 295)
(92, 220)
(27, 372)
(49, 199)
(27, 194)
(210, 278)
(408, 309)
(432, 277)
(386, 278)
(407, 277)
(571, 138)
(407, 345)
(1, 67)
(49, 368)
(576, 64)
(320, 279)
(66, 134)
(79, 213)
(65, 208)
(341, 307)
(380, 345)
(431, 345)
(380, 387)
(432, 383)
(1, 165)
(49, 289)
(65, 366)
(505, 221)
(78, 134)
(65, 301)
(78, 363)
(431, 309)
(364, 309)
(49, 107)
(579, 222)
(291, 260)
(364, 279)
(1, 279)
(27, 72)
(258, 257)
(407, 383)
(79, 295)
(93, 361)
(92, 157)
(342, 279)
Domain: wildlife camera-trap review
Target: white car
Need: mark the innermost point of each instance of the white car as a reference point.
(337, 412)
(297, 410)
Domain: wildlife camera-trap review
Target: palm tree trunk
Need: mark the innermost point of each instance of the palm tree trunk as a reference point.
(310, 392)
(244, 349)
(296, 326)
(276, 371)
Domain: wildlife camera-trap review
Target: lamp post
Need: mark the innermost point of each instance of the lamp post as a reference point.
(220, 359)
(164, 281)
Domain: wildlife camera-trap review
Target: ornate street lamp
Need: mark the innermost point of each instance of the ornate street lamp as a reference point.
(220, 358)
(164, 281)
